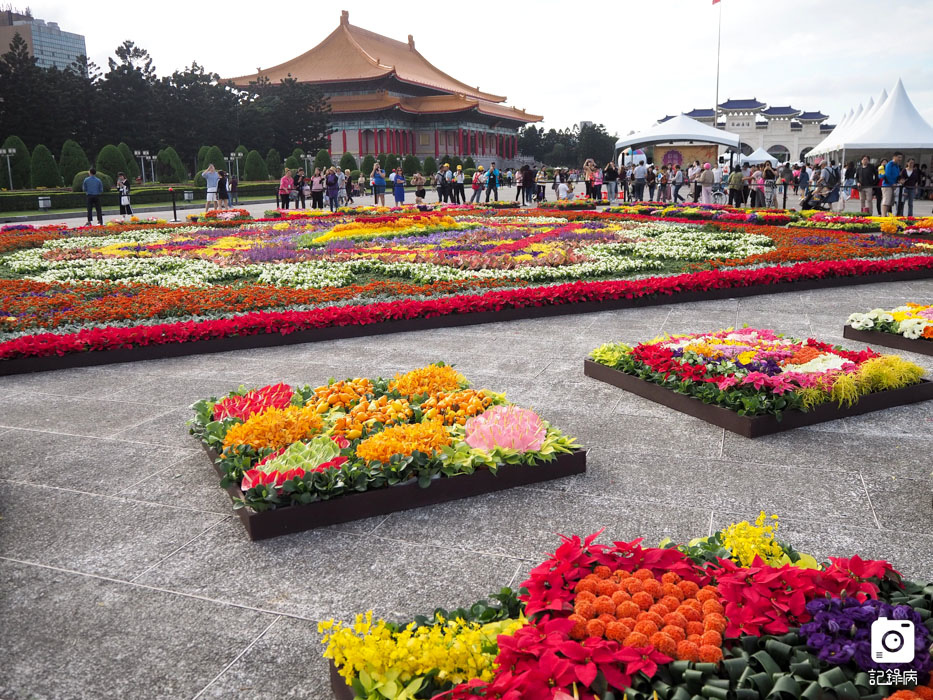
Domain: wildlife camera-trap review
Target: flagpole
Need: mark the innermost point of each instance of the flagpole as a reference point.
(718, 45)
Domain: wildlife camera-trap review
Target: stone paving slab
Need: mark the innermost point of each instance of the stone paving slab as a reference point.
(99, 478)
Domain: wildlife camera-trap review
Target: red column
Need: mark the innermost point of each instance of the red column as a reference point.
(344, 141)
(515, 145)
(484, 143)
(459, 142)
(437, 151)
(359, 141)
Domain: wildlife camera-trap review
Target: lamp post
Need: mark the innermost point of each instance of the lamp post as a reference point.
(235, 158)
(9, 153)
(142, 155)
(152, 161)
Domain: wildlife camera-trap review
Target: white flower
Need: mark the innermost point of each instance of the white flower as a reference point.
(860, 322)
(912, 328)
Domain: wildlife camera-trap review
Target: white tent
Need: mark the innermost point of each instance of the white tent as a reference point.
(679, 129)
(895, 125)
(759, 156)
(822, 146)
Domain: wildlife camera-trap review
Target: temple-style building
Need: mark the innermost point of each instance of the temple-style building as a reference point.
(388, 98)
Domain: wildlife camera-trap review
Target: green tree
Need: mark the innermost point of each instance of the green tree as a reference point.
(298, 155)
(593, 142)
(44, 171)
(130, 164)
(367, 167)
(293, 163)
(254, 167)
(322, 160)
(430, 165)
(273, 164)
(347, 161)
(391, 161)
(382, 160)
(445, 159)
(411, 165)
(130, 95)
(454, 162)
(202, 157)
(20, 164)
(169, 167)
(79, 181)
(469, 163)
(215, 156)
(73, 160)
(110, 161)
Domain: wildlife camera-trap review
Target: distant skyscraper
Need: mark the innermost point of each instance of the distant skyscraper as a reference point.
(46, 41)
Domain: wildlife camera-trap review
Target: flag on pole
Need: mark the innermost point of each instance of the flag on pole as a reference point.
(715, 1)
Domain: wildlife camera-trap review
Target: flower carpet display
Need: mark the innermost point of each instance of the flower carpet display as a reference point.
(907, 327)
(281, 448)
(739, 614)
(770, 381)
(356, 268)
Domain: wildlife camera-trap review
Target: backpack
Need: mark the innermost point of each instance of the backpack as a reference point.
(833, 178)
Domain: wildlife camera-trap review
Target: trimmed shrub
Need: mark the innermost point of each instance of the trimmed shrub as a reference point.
(391, 161)
(254, 167)
(20, 165)
(202, 157)
(468, 174)
(468, 162)
(274, 164)
(73, 160)
(354, 175)
(213, 156)
(382, 160)
(298, 155)
(292, 163)
(368, 163)
(110, 161)
(454, 162)
(79, 180)
(347, 162)
(411, 165)
(130, 164)
(169, 167)
(322, 160)
(430, 166)
(44, 171)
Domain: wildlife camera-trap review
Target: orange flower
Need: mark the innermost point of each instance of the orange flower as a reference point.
(403, 440)
(275, 428)
(428, 380)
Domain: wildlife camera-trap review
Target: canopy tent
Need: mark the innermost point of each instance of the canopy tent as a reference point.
(895, 125)
(759, 156)
(821, 147)
(626, 157)
(679, 129)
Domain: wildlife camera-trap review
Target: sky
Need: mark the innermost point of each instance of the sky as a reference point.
(623, 64)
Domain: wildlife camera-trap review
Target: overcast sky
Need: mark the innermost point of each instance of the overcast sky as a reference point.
(624, 64)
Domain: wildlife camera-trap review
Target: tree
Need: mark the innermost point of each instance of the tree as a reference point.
(44, 171)
(298, 155)
(382, 160)
(129, 94)
(202, 157)
(347, 161)
(169, 167)
(20, 164)
(300, 115)
(469, 163)
(273, 164)
(454, 162)
(391, 162)
(322, 160)
(369, 162)
(430, 165)
(411, 165)
(79, 181)
(593, 142)
(110, 161)
(255, 167)
(130, 165)
(292, 163)
(445, 159)
(72, 161)
(216, 157)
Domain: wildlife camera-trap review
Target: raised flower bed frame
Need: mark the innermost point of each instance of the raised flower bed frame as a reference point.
(365, 504)
(756, 426)
(921, 346)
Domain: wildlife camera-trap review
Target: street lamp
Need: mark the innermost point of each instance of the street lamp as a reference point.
(142, 155)
(235, 158)
(9, 153)
(152, 161)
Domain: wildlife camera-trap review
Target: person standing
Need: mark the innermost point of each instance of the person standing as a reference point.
(348, 183)
(222, 195)
(93, 188)
(492, 182)
(803, 182)
(459, 191)
(611, 178)
(210, 178)
(651, 180)
(677, 181)
(866, 177)
(477, 185)
(705, 180)
(529, 180)
(379, 185)
(508, 176)
(286, 184)
(234, 187)
(361, 183)
(640, 174)
(597, 175)
(398, 187)
(736, 183)
(447, 184)
(341, 186)
(332, 188)
(892, 177)
(848, 179)
(519, 185)
(300, 183)
(317, 189)
(123, 187)
(541, 185)
(911, 178)
(417, 181)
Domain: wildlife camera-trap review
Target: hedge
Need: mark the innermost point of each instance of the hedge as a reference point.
(19, 201)
(78, 181)
(73, 160)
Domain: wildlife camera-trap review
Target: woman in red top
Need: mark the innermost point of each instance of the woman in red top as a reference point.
(286, 185)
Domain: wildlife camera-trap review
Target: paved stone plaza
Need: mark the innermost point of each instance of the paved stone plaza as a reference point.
(125, 574)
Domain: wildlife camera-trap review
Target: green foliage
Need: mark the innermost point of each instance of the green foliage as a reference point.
(322, 160)
(454, 162)
(293, 163)
(430, 165)
(347, 161)
(468, 162)
(445, 159)
(382, 160)
(44, 171)
(20, 165)
(110, 161)
(79, 180)
(73, 160)
(391, 161)
(468, 174)
(202, 157)
(411, 165)
(369, 163)
(355, 175)
(299, 155)
(216, 157)
(274, 167)
(169, 167)
(255, 167)
(130, 164)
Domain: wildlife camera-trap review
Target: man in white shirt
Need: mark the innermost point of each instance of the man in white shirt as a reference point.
(563, 191)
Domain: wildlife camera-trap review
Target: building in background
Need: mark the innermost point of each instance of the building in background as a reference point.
(784, 132)
(46, 41)
(385, 97)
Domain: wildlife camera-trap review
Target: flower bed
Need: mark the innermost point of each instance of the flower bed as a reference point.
(755, 382)
(221, 215)
(908, 327)
(739, 614)
(298, 458)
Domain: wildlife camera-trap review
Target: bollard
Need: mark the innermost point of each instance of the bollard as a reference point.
(174, 211)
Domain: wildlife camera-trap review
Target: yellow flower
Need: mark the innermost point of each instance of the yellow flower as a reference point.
(428, 380)
(275, 427)
(404, 439)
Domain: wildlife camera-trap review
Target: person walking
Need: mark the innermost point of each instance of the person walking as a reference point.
(910, 179)
(866, 177)
(770, 184)
(222, 196)
(123, 187)
(300, 183)
(492, 182)
(234, 188)
(529, 180)
(652, 181)
(477, 185)
(848, 179)
(803, 182)
(317, 189)
(210, 178)
(736, 183)
(891, 179)
(348, 184)
(332, 188)
(341, 186)
(379, 185)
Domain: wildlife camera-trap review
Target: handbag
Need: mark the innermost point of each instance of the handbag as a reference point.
(124, 201)
(293, 195)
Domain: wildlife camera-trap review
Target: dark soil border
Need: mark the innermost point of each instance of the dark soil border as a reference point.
(338, 685)
(22, 365)
(382, 501)
(756, 426)
(889, 340)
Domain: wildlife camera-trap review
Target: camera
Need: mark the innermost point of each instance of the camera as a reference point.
(892, 641)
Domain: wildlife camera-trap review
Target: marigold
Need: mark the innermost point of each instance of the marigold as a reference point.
(643, 600)
(690, 613)
(671, 589)
(688, 651)
(710, 654)
(585, 584)
(663, 643)
(275, 428)
(595, 628)
(675, 633)
(620, 597)
(633, 586)
(627, 609)
(403, 440)
(606, 587)
(585, 609)
(670, 602)
(652, 617)
(616, 630)
(714, 622)
(707, 593)
(670, 577)
(635, 639)
(428, 380)
(602, 572)
(695, 629)
(712, 606)
(660, 609)
(643, 574)
(653, 587)
(689, 588)
(604, 604)
(578, 631)
(646, 627)
(712, 638)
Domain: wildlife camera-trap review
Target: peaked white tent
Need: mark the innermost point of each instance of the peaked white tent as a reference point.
(679, 129)
(759, 156)
(895, 125)
(822, 146)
